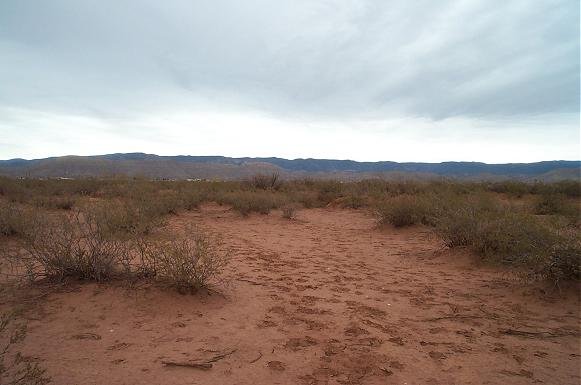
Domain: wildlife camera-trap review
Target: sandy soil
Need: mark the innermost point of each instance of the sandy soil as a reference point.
(324, 299)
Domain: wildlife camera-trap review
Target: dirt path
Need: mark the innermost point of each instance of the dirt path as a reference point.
(324, 299)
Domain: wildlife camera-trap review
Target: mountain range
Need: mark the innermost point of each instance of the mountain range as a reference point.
(226, 168)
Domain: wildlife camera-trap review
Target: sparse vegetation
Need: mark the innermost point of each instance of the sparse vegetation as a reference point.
(509, 222)
(20, 370)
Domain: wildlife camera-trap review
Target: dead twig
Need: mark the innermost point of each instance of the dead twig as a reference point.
(251, 282)
(257, 358)
(538, 334)
(199, 364)
(467, 316)
(195, 365)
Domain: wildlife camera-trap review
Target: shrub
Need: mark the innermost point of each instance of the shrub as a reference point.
(353, 201)
(122, 218)
(55, 202)
(162, 203)
(460, 226)
(402, 210)
(13, 220)
(72, 247)
(514, 238)
(266, 182)
(187, 265)
(564, 262)
(554, 204)
(248, 202)
(192, 200)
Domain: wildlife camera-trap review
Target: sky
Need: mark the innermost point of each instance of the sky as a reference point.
(449, 80)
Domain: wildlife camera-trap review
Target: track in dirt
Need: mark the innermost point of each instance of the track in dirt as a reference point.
(324, 299)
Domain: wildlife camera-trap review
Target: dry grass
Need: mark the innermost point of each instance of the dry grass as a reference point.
(289, 211)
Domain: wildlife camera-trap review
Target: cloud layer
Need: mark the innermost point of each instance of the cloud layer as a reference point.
(386, 70)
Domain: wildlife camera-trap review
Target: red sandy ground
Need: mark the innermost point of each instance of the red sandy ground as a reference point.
(323, 299)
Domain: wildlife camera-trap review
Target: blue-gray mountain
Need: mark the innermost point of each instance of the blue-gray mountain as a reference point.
(220, 167)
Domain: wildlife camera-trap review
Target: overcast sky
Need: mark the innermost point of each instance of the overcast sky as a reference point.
(478, 80)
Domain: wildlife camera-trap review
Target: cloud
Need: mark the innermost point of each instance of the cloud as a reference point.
(489, 63)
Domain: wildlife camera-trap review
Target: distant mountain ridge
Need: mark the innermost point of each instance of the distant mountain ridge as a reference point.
(221, 167)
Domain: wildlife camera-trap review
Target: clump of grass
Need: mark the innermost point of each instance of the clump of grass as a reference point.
(289, 211)
(187, 265)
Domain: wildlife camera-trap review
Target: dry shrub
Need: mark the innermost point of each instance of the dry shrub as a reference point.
(162, 203)
(79, 247)
(459, 226)
(556, 204)
(192, 200)
(266, 182)
(563, 262)
(187, 265)
(247, 202)
(55, 202)
(127, 217)
(403, 210)
(353, 201)
(13, 220)
(72, 247)
(514, 238)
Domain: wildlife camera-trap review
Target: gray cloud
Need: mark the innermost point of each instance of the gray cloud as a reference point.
(486, 60)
